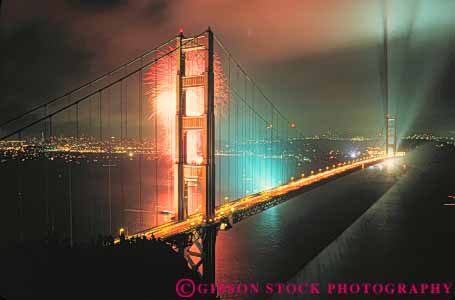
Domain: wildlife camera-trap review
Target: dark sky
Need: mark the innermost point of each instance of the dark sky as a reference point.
(319, 60)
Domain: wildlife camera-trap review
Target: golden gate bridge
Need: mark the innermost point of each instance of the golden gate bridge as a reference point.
(185, 141)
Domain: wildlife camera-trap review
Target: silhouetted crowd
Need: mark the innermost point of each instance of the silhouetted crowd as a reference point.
(137, 268)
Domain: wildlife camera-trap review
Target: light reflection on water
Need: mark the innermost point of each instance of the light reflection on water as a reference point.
(275, 244)
(98, 184)
(375, 225)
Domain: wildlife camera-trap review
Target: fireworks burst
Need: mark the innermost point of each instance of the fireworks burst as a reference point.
(160, 90)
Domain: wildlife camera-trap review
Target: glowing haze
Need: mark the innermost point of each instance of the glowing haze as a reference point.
(319, 60)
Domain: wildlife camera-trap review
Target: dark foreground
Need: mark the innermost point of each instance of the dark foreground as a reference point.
(134, 269)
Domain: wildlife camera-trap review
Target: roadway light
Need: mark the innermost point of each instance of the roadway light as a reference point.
(225, 226)
(390, 164)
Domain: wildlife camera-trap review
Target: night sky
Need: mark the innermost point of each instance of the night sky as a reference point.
(320, 61)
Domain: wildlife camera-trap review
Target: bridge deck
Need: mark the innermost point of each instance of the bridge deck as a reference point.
(226, 210)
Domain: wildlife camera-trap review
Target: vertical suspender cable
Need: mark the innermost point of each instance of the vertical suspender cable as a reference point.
(141, 220)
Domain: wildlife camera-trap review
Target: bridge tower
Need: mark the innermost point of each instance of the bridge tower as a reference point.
(390, 122)
(195, 146)
(195, 121)
(390, 135)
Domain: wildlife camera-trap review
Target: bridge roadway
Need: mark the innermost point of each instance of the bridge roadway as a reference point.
(227, 209)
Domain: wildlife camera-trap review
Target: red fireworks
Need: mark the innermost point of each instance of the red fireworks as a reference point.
(160, 90)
